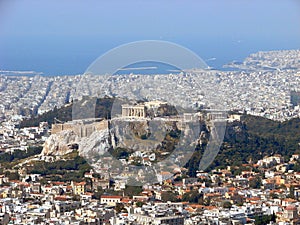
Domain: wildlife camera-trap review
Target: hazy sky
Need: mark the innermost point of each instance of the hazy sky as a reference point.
(64, 37)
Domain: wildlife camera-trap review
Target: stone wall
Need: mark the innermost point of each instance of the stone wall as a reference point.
(80, 128)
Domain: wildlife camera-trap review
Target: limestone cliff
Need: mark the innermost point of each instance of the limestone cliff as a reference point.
(140, 135)
(96, 145)
(133, 135)
(61, 143)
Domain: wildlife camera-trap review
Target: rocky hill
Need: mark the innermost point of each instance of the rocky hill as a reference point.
(245, 141)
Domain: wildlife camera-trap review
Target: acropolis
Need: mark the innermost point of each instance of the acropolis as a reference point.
(140, 110)
(134, 111)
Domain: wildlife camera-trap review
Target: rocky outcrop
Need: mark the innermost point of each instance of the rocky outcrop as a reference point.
(61, 143)
(96, 145)
(141, 135)
(134, 135)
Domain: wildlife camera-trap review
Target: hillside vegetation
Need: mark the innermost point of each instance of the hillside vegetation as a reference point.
(254, 138)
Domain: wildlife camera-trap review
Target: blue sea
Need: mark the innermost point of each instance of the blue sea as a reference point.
(73, 56)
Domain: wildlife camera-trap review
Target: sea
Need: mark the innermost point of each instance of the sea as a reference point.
(75, 56)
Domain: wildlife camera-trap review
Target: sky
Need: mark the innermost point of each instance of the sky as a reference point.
(60, 37)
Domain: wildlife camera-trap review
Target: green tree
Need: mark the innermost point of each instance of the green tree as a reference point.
(291, 192)
(193, 197)
(139, 204)
(12, 175)
(273, 217)
(227, 205)
(255, 182)
(264, 219)
(132, 190)
(120, 208)
(273, 195)
(169, 196)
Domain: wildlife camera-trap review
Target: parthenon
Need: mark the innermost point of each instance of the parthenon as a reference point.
(134, 111)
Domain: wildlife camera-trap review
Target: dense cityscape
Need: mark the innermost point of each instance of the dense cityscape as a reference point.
(46, 179)
(262, 86)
